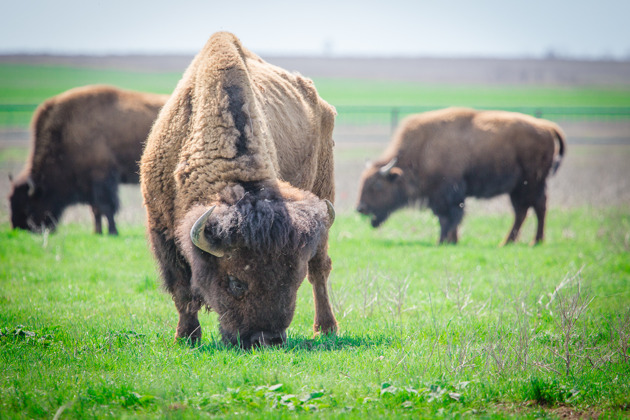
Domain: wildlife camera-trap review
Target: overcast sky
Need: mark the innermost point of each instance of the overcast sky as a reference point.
(490, 28)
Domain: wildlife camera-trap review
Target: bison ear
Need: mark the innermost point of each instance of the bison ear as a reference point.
(390, 171)
(394, 174)
(198, 235)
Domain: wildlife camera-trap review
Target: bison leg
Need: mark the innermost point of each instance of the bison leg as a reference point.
(447, 203)
(111, 224)
(176, 276)
(105, 198)
(520, 212)
(318, 270)
(449, 221)
(188, 326)
(98, 227)
(451, 236)
(540, 207)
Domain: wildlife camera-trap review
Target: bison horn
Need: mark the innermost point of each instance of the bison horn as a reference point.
(385, 169)
(31, 186)
(331, 212)
(198, 237)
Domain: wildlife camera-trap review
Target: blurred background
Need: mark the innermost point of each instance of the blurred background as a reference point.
(376, 62)
(484, 28)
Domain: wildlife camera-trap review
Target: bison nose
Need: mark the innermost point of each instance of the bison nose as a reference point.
(265, 339)
(362, 208)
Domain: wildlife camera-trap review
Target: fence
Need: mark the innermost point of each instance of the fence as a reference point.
(391, 116)
(16, 116)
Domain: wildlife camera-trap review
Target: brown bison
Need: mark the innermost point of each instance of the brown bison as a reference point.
(236, 178)
(85, 142)
(441, 157)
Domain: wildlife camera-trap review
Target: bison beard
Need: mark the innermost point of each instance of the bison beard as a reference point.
(236, 178)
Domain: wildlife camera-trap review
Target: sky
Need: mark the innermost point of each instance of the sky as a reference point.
(591, 29)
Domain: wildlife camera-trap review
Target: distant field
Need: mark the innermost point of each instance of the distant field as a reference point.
(390, 93)
(31, 84)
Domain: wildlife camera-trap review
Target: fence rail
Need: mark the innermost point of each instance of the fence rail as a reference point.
(391, 115)
(19, 115)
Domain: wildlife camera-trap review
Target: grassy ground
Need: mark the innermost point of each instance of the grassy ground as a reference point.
(424, 330)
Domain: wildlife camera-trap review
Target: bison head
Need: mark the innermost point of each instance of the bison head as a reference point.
(382, 191)
(249, 252)
(29, 209)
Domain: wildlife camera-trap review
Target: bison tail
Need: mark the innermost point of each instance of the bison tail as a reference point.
(557, 159)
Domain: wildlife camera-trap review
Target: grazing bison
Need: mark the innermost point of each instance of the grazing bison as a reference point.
(236, 178)
(85, 142)
(442, 157)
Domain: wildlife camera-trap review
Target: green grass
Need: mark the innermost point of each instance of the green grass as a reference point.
(30, 84)
(341, 92)
(425, 330)
(22, 83)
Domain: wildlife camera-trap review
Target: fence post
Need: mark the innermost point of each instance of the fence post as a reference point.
(394, 119)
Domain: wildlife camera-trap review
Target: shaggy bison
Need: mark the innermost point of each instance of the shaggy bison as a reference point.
(442, 157)
(236, 178)
(85, 142)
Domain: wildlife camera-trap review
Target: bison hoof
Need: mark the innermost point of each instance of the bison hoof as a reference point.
(324, 330)
(507, 241)
(191, 337)
(190, 340)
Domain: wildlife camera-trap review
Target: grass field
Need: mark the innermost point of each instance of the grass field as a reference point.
(30, 84)
(424, 330)
(33, 84)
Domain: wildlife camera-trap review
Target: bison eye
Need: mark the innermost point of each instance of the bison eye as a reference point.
(237, 288)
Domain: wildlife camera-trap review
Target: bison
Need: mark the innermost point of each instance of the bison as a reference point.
(441, 157)
(237, 180)
(85, 142)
